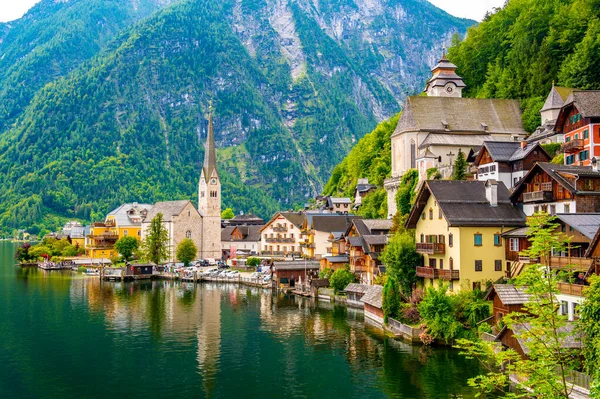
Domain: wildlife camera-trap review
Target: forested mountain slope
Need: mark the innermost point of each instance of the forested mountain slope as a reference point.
(294, 85)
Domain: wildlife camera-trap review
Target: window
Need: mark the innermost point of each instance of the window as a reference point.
(422, 238)
(513, 244)
(564, 307)
(439, 213)
(188, 234)
(567, 139)
(139, 233)
(536, 209)
(497, 240)
(430, 214)
(586, 134)
(498, 265)
(450, 240)
(292, 235)
(423, 216)
(574, 307)
(478, 265)
(125, 232)
(441, 239)
(451, 285)
(584, 155)
(201, 194)
(567, 208)
(451, 263)
(432, 262)
(478, 240)
(441, 263)
(569, 160)
(553, 209)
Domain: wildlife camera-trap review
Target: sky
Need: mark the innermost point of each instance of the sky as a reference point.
(473, 9)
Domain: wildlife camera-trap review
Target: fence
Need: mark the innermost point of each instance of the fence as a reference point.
(407, 331)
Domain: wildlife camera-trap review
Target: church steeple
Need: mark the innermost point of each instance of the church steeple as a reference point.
(444, 82)
(210, 157)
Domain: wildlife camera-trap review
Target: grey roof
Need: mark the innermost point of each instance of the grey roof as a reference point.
(544, 131)
(296, 218)
(558, 172)
(355, 241)
(374, 296)
(338, 259)
(556, 98)
(226, 233)
(210, 156)
(379, 239)
(454, 139)
(520, 232)
(249, 233)
(341, 200)
(586, 223)
(121, 214)
(246, 218)
(445, 74)
(569, 335)
(168, 210)
(509, 294)
(295, 265)
(359, 288)
(586, 101)
(378, 224)
(428, 114)
(330, 222)
(510, 151)
(361, 188)
(464, 203)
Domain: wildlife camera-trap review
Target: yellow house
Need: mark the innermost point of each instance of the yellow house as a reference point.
(458, 227)
(125, 220)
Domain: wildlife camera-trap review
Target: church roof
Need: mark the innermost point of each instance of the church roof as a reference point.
(443, 73)
(443, 139)
(460, 115)
(210, 156)
(168, 210)
(556, 98)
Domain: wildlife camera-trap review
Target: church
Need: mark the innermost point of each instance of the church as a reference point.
(183, 220)
(434, 128)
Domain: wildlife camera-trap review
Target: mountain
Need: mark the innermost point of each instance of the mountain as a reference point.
(294, 83)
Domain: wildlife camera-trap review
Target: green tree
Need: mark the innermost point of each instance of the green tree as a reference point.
(253, 262)
(22, 254)
(590, 327)
(157, 241)
(126, 247)
(227, 214)
(391, 299)
(433, 174)
(325, 273)
(541, 329)
(340, 278)
(69, 250)
(401, 259)
(186, 251)
(437, 311)
(406, 191)
(460, 167)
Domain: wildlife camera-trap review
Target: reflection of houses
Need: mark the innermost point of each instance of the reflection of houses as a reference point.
(281, 236)
(508, 161)
(432, 129)
(295, 272)
(459, 226)
(366, 240)
(558, 189)
(181, 219)
(242, 239)
(373, 300)
(317, 229)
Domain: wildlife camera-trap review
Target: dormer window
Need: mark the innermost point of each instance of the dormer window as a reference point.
(484, 126)
(445, 124)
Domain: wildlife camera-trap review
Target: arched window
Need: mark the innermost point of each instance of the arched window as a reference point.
(451, 264)
(413, 151)
(422, 237)
(430, 213)
(188, 234)
(450, 240)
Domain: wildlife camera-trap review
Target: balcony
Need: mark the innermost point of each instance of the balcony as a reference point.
(430, 248)
(105, 237)
(573, 146)
(448, 275)
(538, 196)
(280, 240)
(571, 262)
(571, 289)
(280, 229)
(425, 272)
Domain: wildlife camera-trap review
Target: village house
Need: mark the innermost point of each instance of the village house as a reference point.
(354, 293)
(506, 298)
(365, 241)
(459, 227)
(340, 205)
(317, 229)
(432, 129)
(281, 236)
(362, 189)
(569, 336)
(507, 161)
(182, 220)
(338, 257)
(126, 220)
(295, 273)
(558, 189)
(373, 302)
(75, 232)
(546, 133)
(579, 122)
(240, 240)
(247, 219)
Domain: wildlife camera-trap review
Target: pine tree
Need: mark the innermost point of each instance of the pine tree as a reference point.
(460, 167)
(156, 243)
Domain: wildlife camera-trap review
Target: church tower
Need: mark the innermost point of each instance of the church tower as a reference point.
(444, 82)
(209, 198)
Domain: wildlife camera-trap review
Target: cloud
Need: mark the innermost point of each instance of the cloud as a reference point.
(11, 9)
(473, 9)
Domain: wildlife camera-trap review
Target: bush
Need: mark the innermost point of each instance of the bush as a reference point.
(325, 273)
(391, 299)
(411, 315)
(340, 279)
(252, 262)
(437, 310)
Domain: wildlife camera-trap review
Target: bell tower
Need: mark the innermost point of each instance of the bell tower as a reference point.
(444, 82)
(209, 197)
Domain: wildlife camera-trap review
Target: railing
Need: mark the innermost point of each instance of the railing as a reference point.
(100, 246)
(429, 248)
(570, 262)
(425, 272)
(280, 239)
(104, 237)
(571, 289)
(535, 196)
(280, 229)
(573, 146)
(446, 274)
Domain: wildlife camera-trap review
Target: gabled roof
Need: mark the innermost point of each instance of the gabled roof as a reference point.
(378, 224)
(586, 101)
(358, 288)
(121, 214)
(374, 296)
(560, 173)
(586, 223)
(168, 210)
(570, 337)
(296, 218)
(556, 98)
(508, 294)
(296, 265)
(464, 203)
(509, 151)
(330, 222)
(249, 233)
(338, 259)
(467, 115)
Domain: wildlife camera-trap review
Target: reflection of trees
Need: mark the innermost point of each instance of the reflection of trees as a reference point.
(156, 310)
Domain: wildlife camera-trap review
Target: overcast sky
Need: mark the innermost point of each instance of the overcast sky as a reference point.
(474, 9)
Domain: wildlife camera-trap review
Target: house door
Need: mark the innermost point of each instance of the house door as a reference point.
(292, 282)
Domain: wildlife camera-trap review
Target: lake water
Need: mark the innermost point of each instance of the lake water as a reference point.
(63, 335)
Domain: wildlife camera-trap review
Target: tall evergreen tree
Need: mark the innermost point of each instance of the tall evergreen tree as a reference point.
(156, 244)
(460, 167)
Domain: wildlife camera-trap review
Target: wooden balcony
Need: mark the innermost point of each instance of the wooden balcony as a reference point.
(573, 146)
(425, 272)
(538, 196)
(279, 239)
(104, 237)
(571, 289)
(429, 248)
(446, 274)
(571, 263)
(280, 229)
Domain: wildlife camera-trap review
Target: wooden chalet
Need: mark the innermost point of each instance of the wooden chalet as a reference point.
(571, 339)
(365, 241)
(354, 293)
(373, 300)
(506, 298)
(288, 274)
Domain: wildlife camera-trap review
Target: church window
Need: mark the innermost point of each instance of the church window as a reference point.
(188, 234)
(413, 151)
(202, 194)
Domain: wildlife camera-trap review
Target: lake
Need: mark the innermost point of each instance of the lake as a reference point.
(64, 335)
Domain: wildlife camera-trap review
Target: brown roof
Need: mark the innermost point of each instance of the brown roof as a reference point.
(586, 101)
(432, 114)
(374, 296)
(168, 210)
(464, 203)
(359, 288)
(330, 222)
(508, 294)
(569, 336)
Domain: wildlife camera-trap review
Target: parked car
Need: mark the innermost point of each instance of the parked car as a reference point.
(266, 279)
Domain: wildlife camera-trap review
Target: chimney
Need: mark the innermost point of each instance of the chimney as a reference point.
(523, 144)
(594, 164)
(491, 192)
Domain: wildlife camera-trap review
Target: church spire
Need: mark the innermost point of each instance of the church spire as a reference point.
(210, 157)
